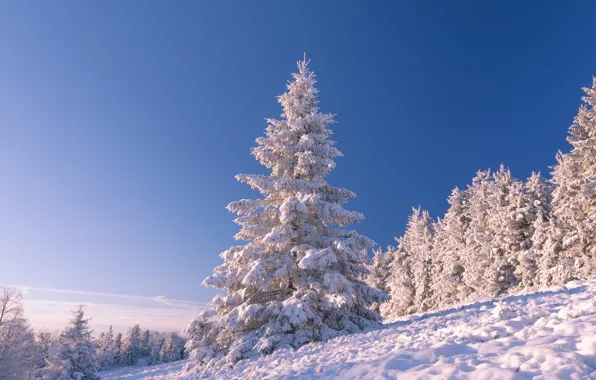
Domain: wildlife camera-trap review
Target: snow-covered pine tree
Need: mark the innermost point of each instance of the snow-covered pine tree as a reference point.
(145, 343)
(509, 227)
(100, 338)
(498, 232)
(557, 264)
(537, 203)
(478, 238)
(379, 271)
(449, 247)
(574, 197)
(131, 346)
(400, 284)
(548, 270)
(106, 350)
(297, 280)
(118, 348)
(157, 342)
(409, 281)
(439, 272)
(172, 348)
(418, 242)
(75, 355)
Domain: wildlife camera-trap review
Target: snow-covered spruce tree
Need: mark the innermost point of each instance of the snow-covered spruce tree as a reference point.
(574, 197)
(118, 348)
(499, 233)
(478, 237)
(106, 350)
(537, 203)
(172, 348)
(449, 247)
(400, 284)
(74, 357)
(509, 226)
(145, 343)
(131, 346)
(157, 342)
(410, 278)
(296, 280)
(495, 234)
(379, 269)
(418, 242)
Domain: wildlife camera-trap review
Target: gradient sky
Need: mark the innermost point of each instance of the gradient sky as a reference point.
(122, 125)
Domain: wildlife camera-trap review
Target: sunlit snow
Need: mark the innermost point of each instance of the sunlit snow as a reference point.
(551, 333)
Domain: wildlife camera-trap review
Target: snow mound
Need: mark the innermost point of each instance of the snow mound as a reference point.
(550, 333)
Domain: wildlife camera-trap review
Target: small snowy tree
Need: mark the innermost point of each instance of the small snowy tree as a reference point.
(574, 198)
(118, 348)
(379, 271)
(106, 350)
(509, 225)
(75, 355)
(131, 346)
(410, 278)
(172, 348)
(18, 351)
(418, 241)
(537, 203)
(400, 284)
(449, 248)
(478, 237)
(145, 343)
(157, 342)
(298, 279)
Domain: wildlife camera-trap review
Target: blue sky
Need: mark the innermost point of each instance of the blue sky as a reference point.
(122, 125)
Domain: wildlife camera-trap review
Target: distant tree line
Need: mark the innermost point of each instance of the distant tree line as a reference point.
(74, 353)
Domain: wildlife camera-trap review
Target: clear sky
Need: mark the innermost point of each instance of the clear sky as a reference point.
(122, 125)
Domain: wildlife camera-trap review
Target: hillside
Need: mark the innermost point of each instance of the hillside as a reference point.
(551, 333)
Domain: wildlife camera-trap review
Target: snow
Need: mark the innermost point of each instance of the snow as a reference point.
(168, 370)
(550, 333)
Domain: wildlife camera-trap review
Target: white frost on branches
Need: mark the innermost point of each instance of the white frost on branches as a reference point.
(298, 278)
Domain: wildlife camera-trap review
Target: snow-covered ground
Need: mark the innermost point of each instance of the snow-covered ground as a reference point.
(162, 371)
(551, 334)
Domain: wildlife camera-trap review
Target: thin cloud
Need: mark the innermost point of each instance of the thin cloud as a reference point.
(159, 299)
(162, 300)
(167, 315)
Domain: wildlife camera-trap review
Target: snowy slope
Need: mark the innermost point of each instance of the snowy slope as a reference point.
(550, 333)
(168, 370)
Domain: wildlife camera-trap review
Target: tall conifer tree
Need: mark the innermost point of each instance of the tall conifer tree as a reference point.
(574, 198)
(298, 277)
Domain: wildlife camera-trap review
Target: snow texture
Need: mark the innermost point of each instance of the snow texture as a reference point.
(551, 333)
